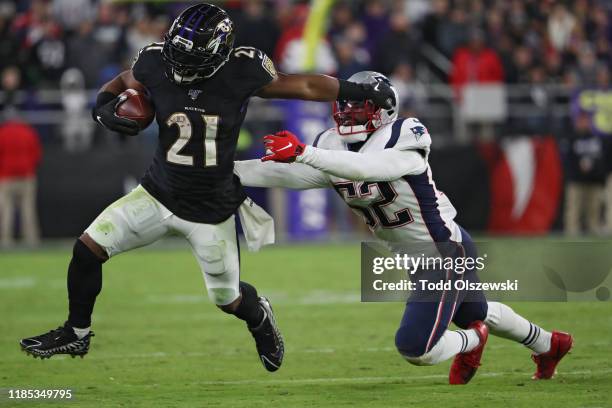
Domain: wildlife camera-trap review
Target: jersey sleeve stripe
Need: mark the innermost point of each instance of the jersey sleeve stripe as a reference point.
(316, 141)
(396, 130)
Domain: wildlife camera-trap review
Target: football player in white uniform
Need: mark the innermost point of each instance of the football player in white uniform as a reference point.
(378, 163)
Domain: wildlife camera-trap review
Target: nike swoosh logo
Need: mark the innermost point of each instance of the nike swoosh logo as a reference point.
(286, 147)
(265, 359)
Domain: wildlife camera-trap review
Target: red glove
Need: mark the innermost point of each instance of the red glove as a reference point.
(282, 147)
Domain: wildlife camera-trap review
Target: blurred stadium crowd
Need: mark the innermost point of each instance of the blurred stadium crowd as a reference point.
(512, 41)
(539, 55)
(526, 41)
(542, 44)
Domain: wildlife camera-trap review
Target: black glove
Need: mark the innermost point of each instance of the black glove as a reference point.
(104, 114)
(381, 94)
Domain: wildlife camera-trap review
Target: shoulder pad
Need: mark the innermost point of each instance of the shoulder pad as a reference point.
(408, 134)
(157, 47)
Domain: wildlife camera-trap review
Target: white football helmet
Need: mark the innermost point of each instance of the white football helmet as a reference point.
(356, 120)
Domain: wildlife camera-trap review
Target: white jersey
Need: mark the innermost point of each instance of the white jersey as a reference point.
(406, 209)
(386, 180)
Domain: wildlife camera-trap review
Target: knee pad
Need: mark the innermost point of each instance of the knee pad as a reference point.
(426, 359)
(432, 357)
(212, 258)
(411, 343)
(222, 296)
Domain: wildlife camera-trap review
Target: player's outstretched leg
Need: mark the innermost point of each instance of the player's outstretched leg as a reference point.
(257, 312)
(423, 339)
(84, 285)
(465, 345)
(215, 246)
(548, 348)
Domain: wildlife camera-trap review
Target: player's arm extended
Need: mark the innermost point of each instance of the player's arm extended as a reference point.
(383, 165)
(255, 173)
(316, 87)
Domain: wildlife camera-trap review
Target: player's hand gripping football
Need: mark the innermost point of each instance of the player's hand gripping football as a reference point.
(282, 147)
(106, 116)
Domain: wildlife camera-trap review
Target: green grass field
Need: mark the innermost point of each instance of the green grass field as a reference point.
(159, 342)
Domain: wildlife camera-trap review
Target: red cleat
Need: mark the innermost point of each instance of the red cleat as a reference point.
(560, 344)
(465, 364)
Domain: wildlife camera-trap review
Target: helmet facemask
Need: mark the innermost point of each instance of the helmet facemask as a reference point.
(356, 117)
(185, 67)
(356, 120)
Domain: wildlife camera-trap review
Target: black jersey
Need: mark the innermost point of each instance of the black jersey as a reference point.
(192, 172)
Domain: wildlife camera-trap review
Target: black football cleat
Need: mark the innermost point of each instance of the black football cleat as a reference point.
(268, 338)
(62, 340)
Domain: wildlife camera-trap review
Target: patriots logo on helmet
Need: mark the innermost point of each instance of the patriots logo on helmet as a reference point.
(382, 78)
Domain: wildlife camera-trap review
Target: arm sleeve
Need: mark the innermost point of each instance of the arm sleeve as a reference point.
(255, 173)
(383, 165)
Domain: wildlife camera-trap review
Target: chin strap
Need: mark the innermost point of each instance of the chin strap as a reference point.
(353, 134)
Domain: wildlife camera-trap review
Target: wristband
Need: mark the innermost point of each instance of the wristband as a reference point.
(103, 98)
(351, 91)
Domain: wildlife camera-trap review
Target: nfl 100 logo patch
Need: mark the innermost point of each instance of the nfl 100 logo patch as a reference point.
(194, 93)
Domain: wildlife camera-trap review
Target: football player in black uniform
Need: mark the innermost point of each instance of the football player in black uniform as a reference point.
(200, 86)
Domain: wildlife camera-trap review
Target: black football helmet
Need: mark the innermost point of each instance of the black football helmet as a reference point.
(198, 43)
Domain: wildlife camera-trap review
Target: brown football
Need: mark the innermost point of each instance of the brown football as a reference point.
(136, 106)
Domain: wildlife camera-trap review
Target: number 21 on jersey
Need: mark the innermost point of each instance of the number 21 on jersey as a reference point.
(185, 133)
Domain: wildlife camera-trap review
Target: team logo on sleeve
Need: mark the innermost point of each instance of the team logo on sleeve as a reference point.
(418, 131)
(268, 65)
